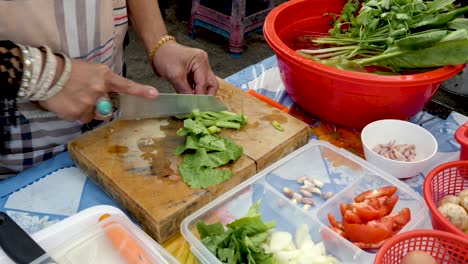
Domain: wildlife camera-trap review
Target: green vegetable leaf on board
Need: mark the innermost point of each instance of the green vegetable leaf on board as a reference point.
(202, 177)
(277, 125)
(205, 150)
(241, 241)
(198, 169)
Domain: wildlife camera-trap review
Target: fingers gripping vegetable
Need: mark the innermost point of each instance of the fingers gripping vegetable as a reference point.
(367, 222)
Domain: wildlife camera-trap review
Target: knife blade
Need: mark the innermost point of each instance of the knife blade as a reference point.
(18, 245)
(166, 104)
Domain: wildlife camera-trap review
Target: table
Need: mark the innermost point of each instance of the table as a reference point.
(56, 188)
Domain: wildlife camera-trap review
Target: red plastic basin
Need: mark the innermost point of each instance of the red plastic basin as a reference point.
(346, 98)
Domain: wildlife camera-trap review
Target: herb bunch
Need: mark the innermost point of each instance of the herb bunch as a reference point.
(397, 34)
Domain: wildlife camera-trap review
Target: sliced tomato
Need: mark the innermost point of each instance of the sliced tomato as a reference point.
(401, 218)
(366, 212)
(393, 223)
(333, 222)
(339, 232)
(390, 203)
(343, 209)
(384, 191)
(365, 233)
(352, 217)
(373, 208)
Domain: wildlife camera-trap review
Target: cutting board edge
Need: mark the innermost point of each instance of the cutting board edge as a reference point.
(301, 138)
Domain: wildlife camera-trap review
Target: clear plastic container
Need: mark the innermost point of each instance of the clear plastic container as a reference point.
(114, 239)
(341, 172)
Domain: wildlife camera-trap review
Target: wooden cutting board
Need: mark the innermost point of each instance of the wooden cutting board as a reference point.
(133, 160)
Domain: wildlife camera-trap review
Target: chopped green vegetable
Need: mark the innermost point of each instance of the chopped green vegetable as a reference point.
(277, 125)
(198, 169)
(241, 241)
(205, 150)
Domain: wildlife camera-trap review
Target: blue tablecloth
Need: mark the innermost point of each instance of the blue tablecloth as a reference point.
(56, 189)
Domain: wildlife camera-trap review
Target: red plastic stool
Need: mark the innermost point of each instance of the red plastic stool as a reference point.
(233, 26)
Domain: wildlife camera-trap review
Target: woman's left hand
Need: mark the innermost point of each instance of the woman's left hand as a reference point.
(186, 68)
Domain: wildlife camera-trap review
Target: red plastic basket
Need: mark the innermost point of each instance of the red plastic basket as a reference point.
(443, 246)
(448, 178)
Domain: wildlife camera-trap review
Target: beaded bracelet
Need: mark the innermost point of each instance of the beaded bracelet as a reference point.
(47, 75)
(63, 79)
(158, 45)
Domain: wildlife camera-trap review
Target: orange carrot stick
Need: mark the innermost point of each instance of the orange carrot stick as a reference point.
(123, 242)
(268, 100)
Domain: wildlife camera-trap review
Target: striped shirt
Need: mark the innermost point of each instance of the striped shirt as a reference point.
(89, 30)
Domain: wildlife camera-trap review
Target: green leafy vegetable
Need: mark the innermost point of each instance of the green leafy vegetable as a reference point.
(241, 241)
(382, 32)
(277, 125)
(205, 150)
(443, 53)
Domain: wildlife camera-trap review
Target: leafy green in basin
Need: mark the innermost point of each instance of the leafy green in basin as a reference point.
(401, 35)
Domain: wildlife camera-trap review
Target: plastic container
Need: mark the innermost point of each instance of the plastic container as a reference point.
(403, 132)
(443, 246)
(445, 179)
(83, 238)
(341, 172)
(342, 97)
(461, 135)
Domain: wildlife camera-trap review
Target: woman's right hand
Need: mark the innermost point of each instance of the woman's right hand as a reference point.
(89, 82)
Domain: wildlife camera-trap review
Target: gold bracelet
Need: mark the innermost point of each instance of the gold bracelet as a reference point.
(158, 45)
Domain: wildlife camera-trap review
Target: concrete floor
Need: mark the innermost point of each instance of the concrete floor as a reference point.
(217, 47)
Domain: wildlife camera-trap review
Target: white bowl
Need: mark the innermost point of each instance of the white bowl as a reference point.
(403, 132)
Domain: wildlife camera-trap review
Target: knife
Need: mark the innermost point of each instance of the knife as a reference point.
(18, 245)
(166, 104)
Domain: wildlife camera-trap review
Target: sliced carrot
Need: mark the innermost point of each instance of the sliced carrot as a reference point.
(124, 243)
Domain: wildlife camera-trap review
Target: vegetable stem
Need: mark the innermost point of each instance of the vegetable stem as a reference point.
(318, 51)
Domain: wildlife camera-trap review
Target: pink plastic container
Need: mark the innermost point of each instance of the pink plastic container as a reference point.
(342, 97)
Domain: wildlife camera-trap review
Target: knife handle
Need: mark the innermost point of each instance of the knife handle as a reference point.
(16, 243)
